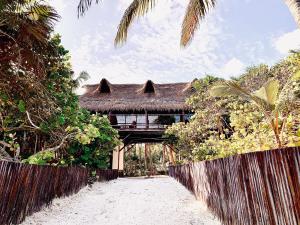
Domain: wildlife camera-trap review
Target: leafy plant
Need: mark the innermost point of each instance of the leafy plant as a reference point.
(244, 119)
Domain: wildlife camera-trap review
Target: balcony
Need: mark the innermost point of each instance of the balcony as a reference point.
(143, 128)
(147, 122)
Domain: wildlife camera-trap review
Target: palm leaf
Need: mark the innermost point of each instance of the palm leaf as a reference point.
(268, 92)
(232, 88)
(294, 7)
(195, 12)
(84, 5)
(136, 9)
(229, 88)
(83, 76)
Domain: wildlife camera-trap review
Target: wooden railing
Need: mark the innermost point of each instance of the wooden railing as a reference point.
(139, 126)
(25, 189)
(249, 189)
(143, 121)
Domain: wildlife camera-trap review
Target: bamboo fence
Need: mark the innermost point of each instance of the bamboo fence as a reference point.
(25, 189)
(248, 189)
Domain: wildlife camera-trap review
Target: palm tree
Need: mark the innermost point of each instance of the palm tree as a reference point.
(268, 99)
(25, 27)
(195, 13)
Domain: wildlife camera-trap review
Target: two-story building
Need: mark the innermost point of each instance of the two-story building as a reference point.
(140, 112)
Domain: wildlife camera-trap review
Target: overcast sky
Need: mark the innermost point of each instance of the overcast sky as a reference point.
(235, 35)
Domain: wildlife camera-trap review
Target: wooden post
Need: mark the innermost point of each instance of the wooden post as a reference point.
(171, 155)
(147, 119)
(146, 153)
(150, 162)
(163, 154)
(182, 117)
(140, 159)
(118, 159)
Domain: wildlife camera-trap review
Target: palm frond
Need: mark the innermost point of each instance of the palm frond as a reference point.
(84, 5)
(136, 9)
(83, 76)
(294, 7)
(195, 12)
(232, 88)
(229, 88)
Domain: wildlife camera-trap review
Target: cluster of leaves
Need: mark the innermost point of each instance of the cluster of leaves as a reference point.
(241, 118)
(94, 143)
(40, 117)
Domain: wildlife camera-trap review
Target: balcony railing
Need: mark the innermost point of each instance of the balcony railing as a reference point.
(145, 121)
(139, 126)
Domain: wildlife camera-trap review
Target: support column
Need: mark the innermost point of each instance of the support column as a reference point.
(140, 158)
(146, 156)
(150, 162)
(147, 119)
(182, 117)
(118, 158)
(115, 160)
(164, 156)
(172, 158)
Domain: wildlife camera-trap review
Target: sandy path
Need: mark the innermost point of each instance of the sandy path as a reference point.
(127, 201)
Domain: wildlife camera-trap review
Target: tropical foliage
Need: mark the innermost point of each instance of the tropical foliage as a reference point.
(236, 116)
(40, 117)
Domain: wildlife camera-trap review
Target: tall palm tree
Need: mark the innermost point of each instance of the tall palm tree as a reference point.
(195, 13)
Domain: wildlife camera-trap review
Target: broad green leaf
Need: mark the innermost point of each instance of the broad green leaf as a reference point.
(269, 92)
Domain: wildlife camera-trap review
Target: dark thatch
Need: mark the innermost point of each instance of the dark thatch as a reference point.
(136, 97)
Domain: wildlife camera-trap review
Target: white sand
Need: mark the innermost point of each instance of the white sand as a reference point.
(127, 201)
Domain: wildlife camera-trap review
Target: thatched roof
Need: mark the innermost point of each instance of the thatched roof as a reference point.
(105, 97)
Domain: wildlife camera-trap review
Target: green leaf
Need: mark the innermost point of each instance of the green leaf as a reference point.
(61, 120)
(269, 92)
(22, 106)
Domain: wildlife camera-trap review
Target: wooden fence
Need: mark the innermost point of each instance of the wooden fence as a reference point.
(254, 188)
(25, 189)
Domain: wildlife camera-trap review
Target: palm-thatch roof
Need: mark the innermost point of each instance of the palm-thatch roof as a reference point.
(106, 97)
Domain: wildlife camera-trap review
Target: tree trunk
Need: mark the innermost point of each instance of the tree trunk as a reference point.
(276, 134)
(294, 7)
